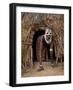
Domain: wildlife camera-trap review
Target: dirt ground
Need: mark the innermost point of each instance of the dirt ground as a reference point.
(49, 70)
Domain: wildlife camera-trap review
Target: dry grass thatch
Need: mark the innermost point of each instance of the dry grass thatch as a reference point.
(31, 22)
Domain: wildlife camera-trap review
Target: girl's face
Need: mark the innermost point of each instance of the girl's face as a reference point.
(48, 34)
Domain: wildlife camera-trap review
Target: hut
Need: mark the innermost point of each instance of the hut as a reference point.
(32, 26)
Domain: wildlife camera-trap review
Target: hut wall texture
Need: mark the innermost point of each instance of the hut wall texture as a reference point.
(30, 23)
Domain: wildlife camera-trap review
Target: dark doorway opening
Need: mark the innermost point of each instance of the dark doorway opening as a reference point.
(36, 35)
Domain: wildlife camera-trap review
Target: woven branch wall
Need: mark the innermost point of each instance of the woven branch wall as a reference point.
(32, 22)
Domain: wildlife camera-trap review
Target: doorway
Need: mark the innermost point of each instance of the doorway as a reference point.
(36, 35)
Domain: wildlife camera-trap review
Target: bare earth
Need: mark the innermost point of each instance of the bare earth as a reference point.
(49, 70)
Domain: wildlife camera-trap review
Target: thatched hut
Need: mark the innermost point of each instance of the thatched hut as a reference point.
(31, 25)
